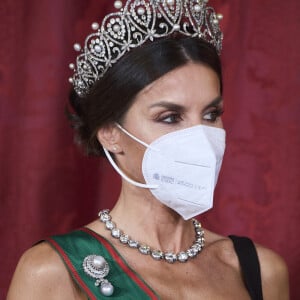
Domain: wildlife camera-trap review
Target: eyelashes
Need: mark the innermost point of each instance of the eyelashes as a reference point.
(176, 117)
(213, 116)
(170, 118)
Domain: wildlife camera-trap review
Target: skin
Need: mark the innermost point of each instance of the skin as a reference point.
(185, 97)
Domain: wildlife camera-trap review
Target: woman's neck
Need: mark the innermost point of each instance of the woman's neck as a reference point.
(140, 215)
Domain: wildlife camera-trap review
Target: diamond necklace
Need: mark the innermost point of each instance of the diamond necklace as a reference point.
(168, 256)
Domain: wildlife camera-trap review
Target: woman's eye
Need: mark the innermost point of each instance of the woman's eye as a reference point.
(171, 118)
(213, 115)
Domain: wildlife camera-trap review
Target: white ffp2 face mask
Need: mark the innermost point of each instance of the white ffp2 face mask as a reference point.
(181, 168)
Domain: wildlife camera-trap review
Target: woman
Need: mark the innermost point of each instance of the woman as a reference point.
(148, 92)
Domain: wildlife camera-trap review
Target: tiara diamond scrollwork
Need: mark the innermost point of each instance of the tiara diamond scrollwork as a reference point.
(134, 23)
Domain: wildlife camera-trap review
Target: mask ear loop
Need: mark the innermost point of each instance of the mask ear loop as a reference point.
(120, 172)
(135, 138)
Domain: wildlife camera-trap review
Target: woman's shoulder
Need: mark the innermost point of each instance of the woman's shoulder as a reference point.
(274, 272)
(41, 274)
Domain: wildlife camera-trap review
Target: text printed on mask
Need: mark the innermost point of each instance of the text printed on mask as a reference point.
(172, 180)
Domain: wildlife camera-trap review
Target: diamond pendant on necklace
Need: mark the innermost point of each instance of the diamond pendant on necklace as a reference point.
(168, 256)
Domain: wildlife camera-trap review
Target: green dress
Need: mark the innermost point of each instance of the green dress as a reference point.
(75, 246)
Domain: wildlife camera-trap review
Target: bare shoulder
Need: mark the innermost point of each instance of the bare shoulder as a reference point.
(274, 274)
(41, 274)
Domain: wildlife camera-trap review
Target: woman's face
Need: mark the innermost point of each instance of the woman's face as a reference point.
(185, 97)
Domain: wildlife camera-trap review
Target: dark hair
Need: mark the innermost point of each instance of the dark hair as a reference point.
(113, 94)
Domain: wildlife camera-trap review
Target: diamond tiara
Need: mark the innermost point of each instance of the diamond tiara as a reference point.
(135, 23)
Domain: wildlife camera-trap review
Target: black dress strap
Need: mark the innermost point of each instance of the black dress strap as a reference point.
(247, 255)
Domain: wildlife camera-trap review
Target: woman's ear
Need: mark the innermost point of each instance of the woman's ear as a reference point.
(109, 137)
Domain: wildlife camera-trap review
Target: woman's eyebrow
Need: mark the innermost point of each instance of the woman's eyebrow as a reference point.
(177, 107)
(168, 105)
(214, 103)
